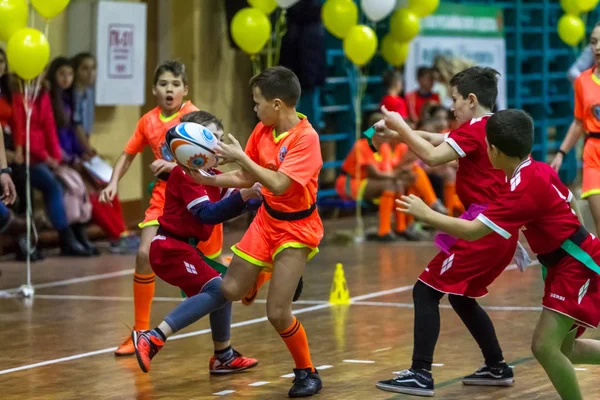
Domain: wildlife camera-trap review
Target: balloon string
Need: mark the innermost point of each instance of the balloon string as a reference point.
(28, 103)
(359, 93)
(280, 31)
(255, 64)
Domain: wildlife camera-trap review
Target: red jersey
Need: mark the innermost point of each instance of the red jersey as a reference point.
(396, 104)
(537, 200)
(477, 182)
(416, 101)
(182, 194)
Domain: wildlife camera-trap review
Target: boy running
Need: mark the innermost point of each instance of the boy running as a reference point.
(169, 87)
(178, 263)
(534, 200)
(463, 270)
(284, 155)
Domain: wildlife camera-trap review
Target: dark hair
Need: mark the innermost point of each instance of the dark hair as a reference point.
(176, 67)
(511, 131)
(5, 86)
(423, 70)
(390, 77)
(481, 81)
(79, 58)
(203, 118)
(57, 95)
(278, 82)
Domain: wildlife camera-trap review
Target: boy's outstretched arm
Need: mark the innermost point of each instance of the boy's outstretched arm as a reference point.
(459, 228)
(418, 143)
(229, 207)
(232, 179)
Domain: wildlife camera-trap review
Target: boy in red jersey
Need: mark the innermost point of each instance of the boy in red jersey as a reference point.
(178, 263)
(424, 95)
(535, 200)
(170, 86)
(284, 155)
(462, 269)
(392, 80)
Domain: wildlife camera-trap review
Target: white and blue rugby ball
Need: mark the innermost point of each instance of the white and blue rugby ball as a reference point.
(193, 145)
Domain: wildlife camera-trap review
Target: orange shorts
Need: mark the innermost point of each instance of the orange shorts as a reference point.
(157, 204)
(591, 168)
(350, 188)
(212, 247)
(266, 237)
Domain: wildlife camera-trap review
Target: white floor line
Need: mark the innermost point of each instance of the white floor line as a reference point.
(288, 375)
(200, 332)
(580, 369)
(128, 298)
(322, 367)
(437, 365)
(264, 301)
(260, 383)
(411, 305)
(223, 392)
(359, 361)
(380, 350)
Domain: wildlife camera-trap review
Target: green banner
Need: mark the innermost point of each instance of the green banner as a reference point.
(464, 21)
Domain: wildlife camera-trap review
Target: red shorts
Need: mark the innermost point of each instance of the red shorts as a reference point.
(157, 204)
(179, 264)
(573, 289)
(266, 237)
(471, 266)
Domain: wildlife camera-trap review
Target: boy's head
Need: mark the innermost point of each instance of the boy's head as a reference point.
(275, 92)
(473, 88)
(206, 119)
(439, 114)
(170, 86)
(392, 80)
(595, 42)
(509, 135)
(425, 79)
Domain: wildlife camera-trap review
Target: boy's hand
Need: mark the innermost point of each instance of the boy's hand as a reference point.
(161, 166)
(230, 152)
(414, 206)
(252, 193)
(393, 121)
(109, 193)
(9, 193)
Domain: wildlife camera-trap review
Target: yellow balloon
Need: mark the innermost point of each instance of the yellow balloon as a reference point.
(423, 8)
(404, 25)
(587, 5)
(394, 52)
(250, 29)
(266, 6)
(571, 29)
(28, 53)
(13, 16)
(360, 44)
(339, 16)
(570, 7)
(49, 8)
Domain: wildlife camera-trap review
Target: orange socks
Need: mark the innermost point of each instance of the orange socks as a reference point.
(423, 185)
(143, 292)
(449, 193)
(297, 343)
(386, 208)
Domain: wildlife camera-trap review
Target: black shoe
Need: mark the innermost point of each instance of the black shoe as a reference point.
(69, 246)
(501, 375)
(388, 237)
(306, 383)
(409, 381)
(82, 238)
(299, 288)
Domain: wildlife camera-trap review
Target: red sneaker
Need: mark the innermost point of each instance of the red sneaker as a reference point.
(237, 363)
(146, 347)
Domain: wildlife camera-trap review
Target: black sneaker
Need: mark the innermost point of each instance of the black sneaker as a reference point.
(306, 383)
(409, 381)
(501, 375)
(298, 292)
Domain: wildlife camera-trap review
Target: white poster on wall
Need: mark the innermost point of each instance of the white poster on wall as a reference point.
(121, 53)
(471, 32)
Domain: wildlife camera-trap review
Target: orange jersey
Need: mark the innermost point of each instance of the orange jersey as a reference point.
(361, 152)
(587, 100)
(152, 128)
(295, 153)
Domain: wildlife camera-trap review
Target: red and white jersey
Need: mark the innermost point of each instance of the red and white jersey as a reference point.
(477, 182)
(182, 194)
(537, 200)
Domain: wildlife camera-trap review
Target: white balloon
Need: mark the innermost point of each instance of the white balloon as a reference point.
(376, 10)
(286, 3)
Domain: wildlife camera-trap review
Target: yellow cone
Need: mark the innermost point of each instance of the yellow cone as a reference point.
(339, 288)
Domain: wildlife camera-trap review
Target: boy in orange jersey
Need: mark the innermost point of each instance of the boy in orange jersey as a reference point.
(284, 155)
(169, 87)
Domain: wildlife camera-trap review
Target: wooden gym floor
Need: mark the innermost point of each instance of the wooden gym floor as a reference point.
(59, 345)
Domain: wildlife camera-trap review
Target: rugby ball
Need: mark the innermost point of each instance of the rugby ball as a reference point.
(193, 145)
